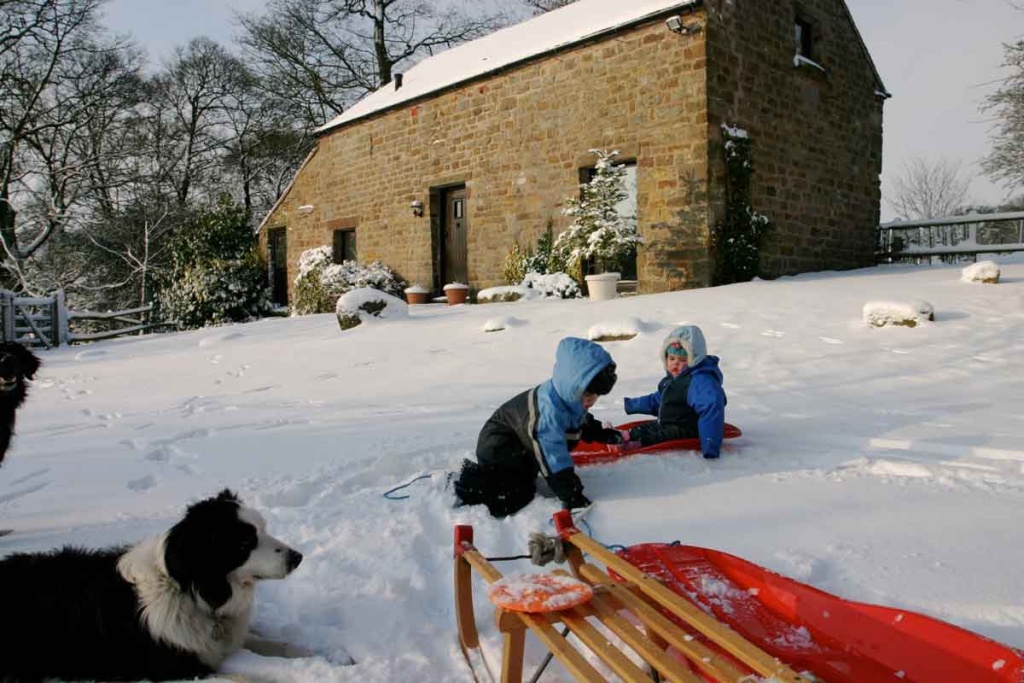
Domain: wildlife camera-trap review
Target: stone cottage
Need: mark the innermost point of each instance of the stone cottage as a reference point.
(440, 172)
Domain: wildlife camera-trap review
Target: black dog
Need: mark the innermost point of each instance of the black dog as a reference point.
(17, 366)
(172, 607)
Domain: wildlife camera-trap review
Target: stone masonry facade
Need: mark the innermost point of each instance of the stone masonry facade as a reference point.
(517, 140)
(815, 129)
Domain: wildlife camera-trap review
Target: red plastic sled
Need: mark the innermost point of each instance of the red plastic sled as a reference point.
(590, 453)
(839, 641)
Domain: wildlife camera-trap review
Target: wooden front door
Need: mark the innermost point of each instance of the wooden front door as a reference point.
(277, 260)
(455, 230)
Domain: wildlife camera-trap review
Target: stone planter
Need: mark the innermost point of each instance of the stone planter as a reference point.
(417, 295)
(602, 286)
(456, 293)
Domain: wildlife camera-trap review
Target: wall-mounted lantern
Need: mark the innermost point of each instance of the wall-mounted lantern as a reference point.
(676, 25)
(417, 208)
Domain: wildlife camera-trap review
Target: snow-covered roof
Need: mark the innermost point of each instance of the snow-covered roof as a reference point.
(560, 28)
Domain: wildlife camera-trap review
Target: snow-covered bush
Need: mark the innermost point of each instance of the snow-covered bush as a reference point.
(884, 313)
(738, 237)
(598, 231)
(358, 305)
(522, 260)
(552, 285)
(216, 274)
(504, 293)
(320, 281)
(217, 291)
(982, 271)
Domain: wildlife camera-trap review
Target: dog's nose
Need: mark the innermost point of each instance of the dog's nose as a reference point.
(294, 558)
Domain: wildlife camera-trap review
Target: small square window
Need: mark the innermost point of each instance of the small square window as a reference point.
(344, 245)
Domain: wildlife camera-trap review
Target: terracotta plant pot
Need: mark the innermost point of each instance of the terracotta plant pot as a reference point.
(456, 293)
(417, 295)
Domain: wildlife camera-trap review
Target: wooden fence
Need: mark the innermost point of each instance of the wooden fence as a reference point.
(46, 321)
(950, 239)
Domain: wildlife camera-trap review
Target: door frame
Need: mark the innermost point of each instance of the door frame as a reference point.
(438, 223)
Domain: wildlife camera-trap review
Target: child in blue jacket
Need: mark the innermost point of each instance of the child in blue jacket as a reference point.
(532, 433)
(689, 402)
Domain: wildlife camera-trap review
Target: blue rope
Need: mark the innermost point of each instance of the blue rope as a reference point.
(387, 494)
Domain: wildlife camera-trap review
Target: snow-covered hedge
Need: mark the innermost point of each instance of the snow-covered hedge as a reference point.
(217, 291)
(982, 271)
(320, 281)
(358, 305)
(910, 314)
(553, 285)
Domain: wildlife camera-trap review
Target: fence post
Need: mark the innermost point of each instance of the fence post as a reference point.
(7, 311)
(60, 319)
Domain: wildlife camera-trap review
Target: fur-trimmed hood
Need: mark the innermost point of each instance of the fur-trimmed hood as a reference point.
(691, 339)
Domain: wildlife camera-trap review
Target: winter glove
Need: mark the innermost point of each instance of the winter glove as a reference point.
(568, 487)
(594, 431)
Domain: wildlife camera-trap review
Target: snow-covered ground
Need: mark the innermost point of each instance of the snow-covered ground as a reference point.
(882, 464)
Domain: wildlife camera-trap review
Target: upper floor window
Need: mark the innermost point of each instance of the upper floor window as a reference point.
(804, 35)
(344, 245)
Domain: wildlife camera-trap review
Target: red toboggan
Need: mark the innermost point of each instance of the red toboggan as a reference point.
(696, 615)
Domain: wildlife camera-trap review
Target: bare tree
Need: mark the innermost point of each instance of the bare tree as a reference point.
(929, 189)
(323, 55)
(1006, 161)
(542, 6)
(44, 43)
(188, 119)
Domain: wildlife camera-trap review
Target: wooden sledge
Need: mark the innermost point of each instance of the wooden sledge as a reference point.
(640, 611)
(590, 453)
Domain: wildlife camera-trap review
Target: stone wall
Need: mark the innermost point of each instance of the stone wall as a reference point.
(816, 132)
(517, 140)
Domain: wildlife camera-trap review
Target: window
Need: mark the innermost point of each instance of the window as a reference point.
(344, 245)
(804, 36)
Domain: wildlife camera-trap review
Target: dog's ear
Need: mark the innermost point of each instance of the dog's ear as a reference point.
(215, 590)
(228, 495)
(28, 361)
(187, 556)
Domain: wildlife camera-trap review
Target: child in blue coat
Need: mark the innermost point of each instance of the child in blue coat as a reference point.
(689, 402)
(532, 433)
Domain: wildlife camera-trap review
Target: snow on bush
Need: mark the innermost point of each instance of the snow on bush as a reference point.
(359, 305)
(552, 285)
(626, 329)
(982, 271)
(883, 313)
(320, 281)
(505, 293)
(598, 231)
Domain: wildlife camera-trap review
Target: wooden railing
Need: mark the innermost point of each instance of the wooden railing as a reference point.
(46, 321)
(952, 238)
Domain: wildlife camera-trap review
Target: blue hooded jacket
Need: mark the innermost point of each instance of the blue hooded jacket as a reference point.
(559, 399)
(704, 395)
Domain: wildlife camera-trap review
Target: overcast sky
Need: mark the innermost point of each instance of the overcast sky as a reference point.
(938, 58)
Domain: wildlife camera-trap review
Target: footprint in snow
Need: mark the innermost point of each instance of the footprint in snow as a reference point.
(731, 326)
(830, 340)
(773, 333)
(30, 475)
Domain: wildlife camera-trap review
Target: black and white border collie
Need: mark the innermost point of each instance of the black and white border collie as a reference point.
(172, 607)
(18, 365)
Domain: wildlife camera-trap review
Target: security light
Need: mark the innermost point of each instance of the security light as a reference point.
(675, 24)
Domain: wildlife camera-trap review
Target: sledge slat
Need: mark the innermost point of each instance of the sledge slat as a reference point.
(644, 645)
(700, 654)
(726, 638)
(599, 645)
